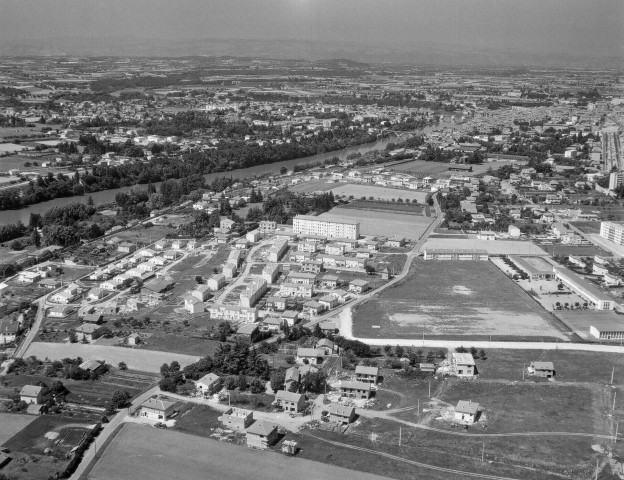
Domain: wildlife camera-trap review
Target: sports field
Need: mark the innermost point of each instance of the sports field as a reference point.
(493, 247)
(386, 224)
(378, 192)
(453, 299)
(142, 453)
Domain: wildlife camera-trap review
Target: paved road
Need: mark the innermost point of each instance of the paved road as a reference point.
(32, 333)
(108, 430)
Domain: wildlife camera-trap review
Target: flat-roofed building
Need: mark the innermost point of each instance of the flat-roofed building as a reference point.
(456, 254)
(326, 226)
(607, 329)
(535, 267)
(584, 289)
(613, 232)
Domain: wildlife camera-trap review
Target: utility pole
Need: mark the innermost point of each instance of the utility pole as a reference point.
(483, 453)
(523, 369)
(418, 410)
(429, 388)
(617, 424)
(612, 373)
(614, 397)
(399, 436)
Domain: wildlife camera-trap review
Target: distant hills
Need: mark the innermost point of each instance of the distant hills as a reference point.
(345, 54)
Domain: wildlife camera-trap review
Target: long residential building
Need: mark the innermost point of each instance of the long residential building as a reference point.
(612, 231)
(326, 226)
(584, 289)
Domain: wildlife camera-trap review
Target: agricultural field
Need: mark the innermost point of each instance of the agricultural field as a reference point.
(453, 300)
(136, 359)
(378, 192)
(178, 455)
(28, 445)
(385, 224)
(86, 392)
(12, 424)
(496, 247)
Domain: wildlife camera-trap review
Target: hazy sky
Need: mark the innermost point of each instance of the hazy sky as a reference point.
(529, 26)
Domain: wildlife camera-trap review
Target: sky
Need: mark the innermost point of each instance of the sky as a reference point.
(527, 27)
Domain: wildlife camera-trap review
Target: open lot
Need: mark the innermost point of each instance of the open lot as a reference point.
(173, 454)
(136, 359)
(496, 247)
(378, 192)
(453, 299)
(421, 168)
(11, 424)
(386, 224)
(570, 366)
(580, 320)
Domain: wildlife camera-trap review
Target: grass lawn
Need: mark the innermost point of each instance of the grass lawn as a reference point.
(578, 250)
(453, 299)
(401, 391)
(181, 344)
(417, 445)
(570, 366)
(198, 420)
(31, 439)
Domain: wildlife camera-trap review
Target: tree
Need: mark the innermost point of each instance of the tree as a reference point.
(277, 380)
(199, 280)
(257, 386)
(482, 354)
(387, 349)
(73, 338)
(120, 399)
(399, 351)
(168, 384)
(122, 366)
(35, 238)
(283, 171)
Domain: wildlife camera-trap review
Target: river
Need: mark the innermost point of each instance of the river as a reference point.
(108, 196)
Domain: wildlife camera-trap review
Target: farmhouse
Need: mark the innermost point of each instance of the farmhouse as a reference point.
(32, 394)
(341, 413)
(466, 411)
(236, 418)
(157, 409)
(261, 434)
(313, 356)
(290, 401)
(542, 369)
(208, 384)
(356, 389)
(463, 364)
(8, 331)
(367, 374)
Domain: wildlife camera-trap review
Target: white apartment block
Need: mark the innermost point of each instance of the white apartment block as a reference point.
(612, 231)
(326, 226)
(584, 289)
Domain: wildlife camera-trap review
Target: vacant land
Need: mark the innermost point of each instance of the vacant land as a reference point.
(453, 298)
(378, 192)
(579, 250)
(421, 168)
(136, 359)
(386, 224)
(497, 247)
(570, 366)
(11, 424)
(169, 454)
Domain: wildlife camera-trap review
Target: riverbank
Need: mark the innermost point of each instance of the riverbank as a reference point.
(108, 196)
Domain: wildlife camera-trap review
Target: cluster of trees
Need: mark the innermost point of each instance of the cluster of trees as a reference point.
(236, 362)
(284, 205)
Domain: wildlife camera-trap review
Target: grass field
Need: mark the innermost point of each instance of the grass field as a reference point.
(570, 366)
(168, 454)
(578, 250)
(422, 168)
(136, 359)
(378, 192)
(387, 224)
(11, 424)
(453, 298)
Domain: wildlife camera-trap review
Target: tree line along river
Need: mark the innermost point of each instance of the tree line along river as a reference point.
(108, 196)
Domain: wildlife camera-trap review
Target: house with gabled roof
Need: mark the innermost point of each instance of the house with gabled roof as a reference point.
(367, 374)
(209, 383)
(466, 411)
(157, 408)
(341, 413)
(290, 401)
(261, 434)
